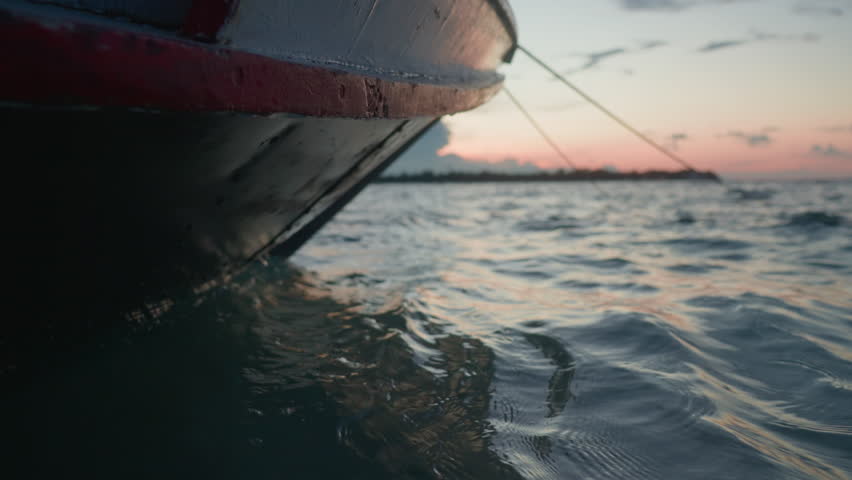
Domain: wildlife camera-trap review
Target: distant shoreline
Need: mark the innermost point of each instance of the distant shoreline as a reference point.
(555, 176)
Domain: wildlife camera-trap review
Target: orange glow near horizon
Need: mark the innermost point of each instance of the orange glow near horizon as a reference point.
(749, 88)
(787, 153)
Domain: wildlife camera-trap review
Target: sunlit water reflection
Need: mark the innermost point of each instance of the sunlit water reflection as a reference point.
(540, 331)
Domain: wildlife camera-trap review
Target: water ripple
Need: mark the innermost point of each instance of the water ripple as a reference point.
(492, 331)
(729, 359)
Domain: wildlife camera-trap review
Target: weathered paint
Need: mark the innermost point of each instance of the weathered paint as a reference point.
(74, 62)
(150, 174)
(459, 42)
(439, 41)
(126, 208)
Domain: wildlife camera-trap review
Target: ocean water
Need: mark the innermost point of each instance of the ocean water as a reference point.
(653, 330)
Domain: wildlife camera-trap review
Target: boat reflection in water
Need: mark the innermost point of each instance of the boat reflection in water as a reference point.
(270, 378)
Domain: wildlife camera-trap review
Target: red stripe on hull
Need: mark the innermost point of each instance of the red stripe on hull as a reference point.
(50, 62)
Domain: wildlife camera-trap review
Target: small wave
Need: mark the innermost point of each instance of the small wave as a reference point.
(732, 257)
(334, 238)
(837, 383)
(527, 274)
(578, 285)
(606, 263)
(823, 376)
(742, 194)
(694, 269)
(355, 279)
(827, 265)
(636, 336)
(507, 206)
(714, 302)
(685, 218)
(815, 219)
(609, 263)
(559, 386)
(534, 324)
(549, 224)
(599, 448)
(706, 243)
(628, 286)
(633, 287)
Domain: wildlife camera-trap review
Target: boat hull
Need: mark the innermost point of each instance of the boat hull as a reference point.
(190, 199)
(162, 161)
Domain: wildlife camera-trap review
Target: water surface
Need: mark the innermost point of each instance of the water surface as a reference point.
(538, 331)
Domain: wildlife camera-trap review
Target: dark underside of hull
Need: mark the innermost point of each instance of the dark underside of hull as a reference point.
(122, 210)
(147, 162)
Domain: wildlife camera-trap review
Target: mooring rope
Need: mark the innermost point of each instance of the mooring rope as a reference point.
(605, 110)
(544, 134)
(541, 131)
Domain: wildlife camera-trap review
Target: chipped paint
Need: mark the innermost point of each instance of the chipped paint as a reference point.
(92, 64)
(439, 41)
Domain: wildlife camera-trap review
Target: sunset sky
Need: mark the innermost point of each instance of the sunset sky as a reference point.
(748, 88)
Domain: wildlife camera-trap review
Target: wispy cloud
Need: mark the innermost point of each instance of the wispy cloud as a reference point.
(651, 4)
(652, 44)
(670, 5)
(720, 44)
(822, 8)
(752, 139)
(830, 151)
(673, 140)
(593, 59)
(837, 128)
(757, 37)
(804, 37)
